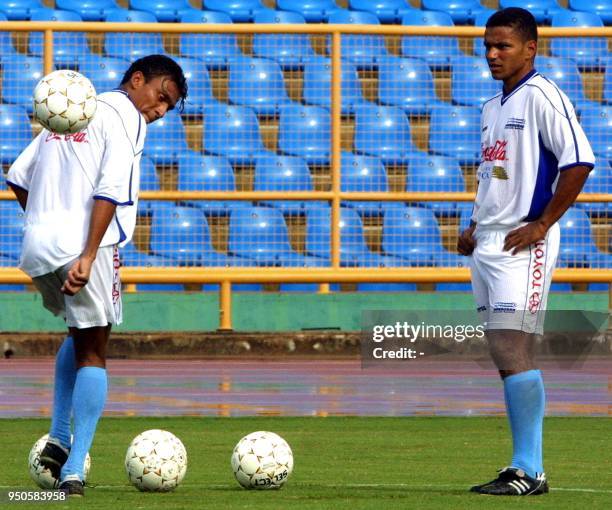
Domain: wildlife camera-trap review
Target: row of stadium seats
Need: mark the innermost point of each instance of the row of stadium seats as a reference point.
(382, 11)
(294, 50)
(260, 83)
(383, 131)
(259, 236)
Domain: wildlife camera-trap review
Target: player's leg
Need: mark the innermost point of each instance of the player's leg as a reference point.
(55, 452)
(90, 314)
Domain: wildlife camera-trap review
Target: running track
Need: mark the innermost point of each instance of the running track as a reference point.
(305, 388)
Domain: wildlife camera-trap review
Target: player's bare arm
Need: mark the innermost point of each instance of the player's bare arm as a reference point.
(78, 275)
(569, 186)
(21, 194)
(466, 242)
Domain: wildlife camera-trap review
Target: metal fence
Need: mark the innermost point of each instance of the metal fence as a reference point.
(311, 152)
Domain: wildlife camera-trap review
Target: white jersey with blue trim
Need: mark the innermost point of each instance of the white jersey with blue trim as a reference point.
(527, 138)
(65, 174)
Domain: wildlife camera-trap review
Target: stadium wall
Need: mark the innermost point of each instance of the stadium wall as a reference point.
(271, 312)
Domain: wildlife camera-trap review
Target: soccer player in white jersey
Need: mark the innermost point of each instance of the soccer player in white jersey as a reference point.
(535, 160)
(80, 194)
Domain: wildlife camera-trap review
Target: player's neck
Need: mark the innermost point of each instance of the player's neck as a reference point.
(514, 81)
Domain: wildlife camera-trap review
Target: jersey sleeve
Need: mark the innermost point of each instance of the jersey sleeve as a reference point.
(562, 134)
(20, 172)
(116, 182)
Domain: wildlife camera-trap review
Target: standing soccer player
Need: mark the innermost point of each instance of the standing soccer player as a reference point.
(535, 160)
(80, 196)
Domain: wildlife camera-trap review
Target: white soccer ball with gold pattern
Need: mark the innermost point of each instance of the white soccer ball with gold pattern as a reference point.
(64, 102)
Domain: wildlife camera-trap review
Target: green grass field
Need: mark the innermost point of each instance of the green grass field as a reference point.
(374, 463)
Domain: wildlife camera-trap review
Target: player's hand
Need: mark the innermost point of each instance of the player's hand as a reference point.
(520, 238)
(78, 276)
(466, 242)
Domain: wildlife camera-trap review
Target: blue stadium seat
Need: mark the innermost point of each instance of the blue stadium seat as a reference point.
(163, 10)
(259, 84)
(166, 139)
(131, 257)
(577, 242)
(11, 229)
(455, 131)
(383, 131)
(607, 91)
(200, 95)
(149, 181)
(291, 51)
(216, 50)
(362, 50)
(564, 72)
(10, 287)
(364, 173)
(462, 11)
(587, 52)
(233, 132)
(354, 251)
(132, 46)
(480, 20)
(542, 10)
(317, 85)
(241, 11)
(387, 11)
(407, 83)
(305, 131)
(208, 173)
(105, 73)
(435, 173)
(603, 8)
(182, 234)
(453, 287)
(386, 287)
(283, 173)
(236, 287)
(471, 81)
(599, 287)
(6, 42)
(597, 124)
(20, 9)
(15, 132)
(19, 77)
(464, 211)
(306, 287)
(260, 235)
(413, 234)
(316, 11)
(68, 47)
(437, 51)
(599, 181)
(89, 10)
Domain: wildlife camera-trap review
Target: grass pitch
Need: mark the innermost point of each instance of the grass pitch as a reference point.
(352, 463)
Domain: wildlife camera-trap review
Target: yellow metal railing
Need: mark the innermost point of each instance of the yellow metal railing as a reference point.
(226, 276)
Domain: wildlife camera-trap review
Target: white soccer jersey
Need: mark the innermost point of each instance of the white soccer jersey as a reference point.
(64, 174)
(527, 138)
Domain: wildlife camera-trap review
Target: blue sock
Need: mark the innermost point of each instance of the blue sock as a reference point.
(88, 399)
(65, 374)
(525, 402)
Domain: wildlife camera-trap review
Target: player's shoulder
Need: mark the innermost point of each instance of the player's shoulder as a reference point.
(117, 106)
(547, 92)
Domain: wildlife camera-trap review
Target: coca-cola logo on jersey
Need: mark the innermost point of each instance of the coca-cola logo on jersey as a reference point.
(74, 137)
(496, 152)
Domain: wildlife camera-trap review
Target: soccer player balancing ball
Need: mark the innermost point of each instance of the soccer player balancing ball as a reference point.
(64, 102)
(40, 474)
(156, 461)
(262, 460)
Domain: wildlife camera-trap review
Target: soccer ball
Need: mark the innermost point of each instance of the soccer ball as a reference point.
(40, 474)
(156, 461)
(64, 102)
(262, 460)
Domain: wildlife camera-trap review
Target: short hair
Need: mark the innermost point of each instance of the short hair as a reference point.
(153, 66)
(521, 20)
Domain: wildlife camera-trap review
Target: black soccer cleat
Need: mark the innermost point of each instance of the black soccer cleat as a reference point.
(513, 482)
(72, 488)
(53, 457)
